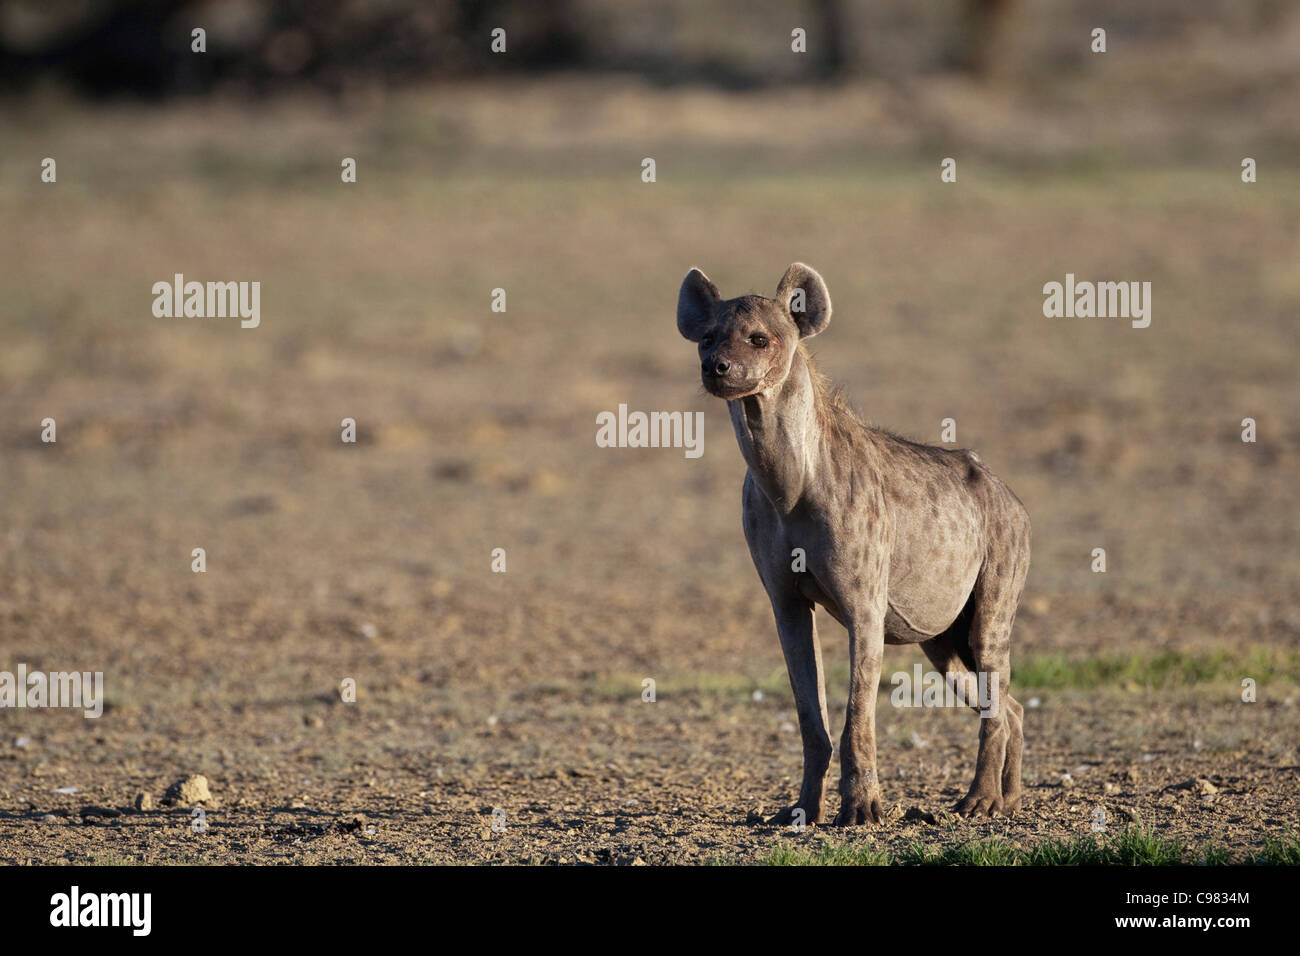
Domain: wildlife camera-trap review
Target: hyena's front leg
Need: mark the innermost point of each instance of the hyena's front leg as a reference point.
(803, 661)
(859, 784)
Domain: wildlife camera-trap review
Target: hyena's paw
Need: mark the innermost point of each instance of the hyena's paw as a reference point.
(981, 803)
(860, 805)
(784, 818)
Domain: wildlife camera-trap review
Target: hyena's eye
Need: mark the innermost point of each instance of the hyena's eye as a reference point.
(758, 341)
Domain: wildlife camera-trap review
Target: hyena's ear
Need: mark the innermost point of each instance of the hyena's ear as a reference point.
(695, 304)
(802, 293)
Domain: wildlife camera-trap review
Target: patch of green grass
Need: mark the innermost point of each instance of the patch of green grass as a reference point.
(1045, 671)
(1212, 855)
(1080, 851)
(1052, 671)
(112, 859)
(993, 851)
(1280, 852)
(840, 854)
(1133, 846)
(1137, 846)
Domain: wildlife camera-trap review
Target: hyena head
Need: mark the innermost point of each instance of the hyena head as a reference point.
(747, 344)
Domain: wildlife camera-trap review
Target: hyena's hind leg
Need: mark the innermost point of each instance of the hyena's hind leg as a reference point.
(1015, 749)
(996, 787)
(950, 654)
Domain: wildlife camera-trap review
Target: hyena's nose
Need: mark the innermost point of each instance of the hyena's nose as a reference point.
(719, 367)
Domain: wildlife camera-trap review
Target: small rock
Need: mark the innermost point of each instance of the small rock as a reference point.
(189, 790)
(143, 801)
(1109, 787)
(1196, 784)
(1033, 703)
(1067, 781)
(49, 818)
(369, 631)
(22, 743)
(916, 813)
(757, 695)
(87, 812)
(65, 789)
(918, 740)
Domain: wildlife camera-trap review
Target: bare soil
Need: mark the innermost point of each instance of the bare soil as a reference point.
(522, 690)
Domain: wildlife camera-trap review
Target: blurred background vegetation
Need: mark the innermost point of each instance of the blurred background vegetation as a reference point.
(142, 47)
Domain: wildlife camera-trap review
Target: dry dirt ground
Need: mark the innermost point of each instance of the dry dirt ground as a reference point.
(522, 690)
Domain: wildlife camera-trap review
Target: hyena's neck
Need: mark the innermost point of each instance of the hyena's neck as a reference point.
(780, 436)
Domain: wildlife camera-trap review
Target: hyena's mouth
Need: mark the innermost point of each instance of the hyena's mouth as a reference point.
(720, 388)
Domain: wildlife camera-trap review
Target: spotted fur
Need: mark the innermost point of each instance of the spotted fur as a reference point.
(905, 543)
